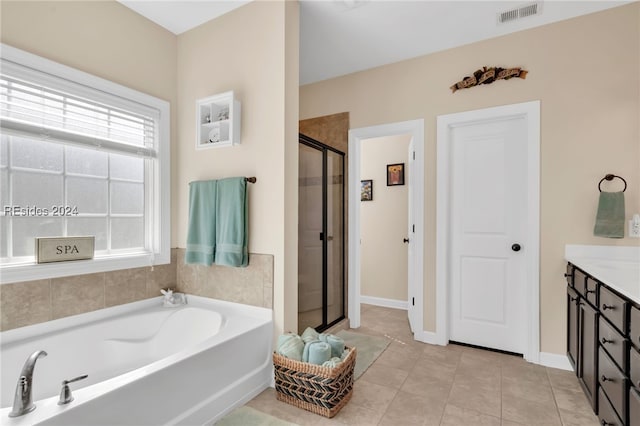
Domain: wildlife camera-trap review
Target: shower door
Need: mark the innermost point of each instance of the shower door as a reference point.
(320, 235)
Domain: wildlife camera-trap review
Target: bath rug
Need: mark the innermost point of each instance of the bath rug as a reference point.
(247, 416)
(369, 349)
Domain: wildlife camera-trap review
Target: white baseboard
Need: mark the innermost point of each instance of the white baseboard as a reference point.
(555, 361)
(386, 303)
(426, 337)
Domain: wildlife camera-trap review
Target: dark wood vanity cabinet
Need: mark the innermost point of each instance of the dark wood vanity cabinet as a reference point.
(634, 366)
(588, 351)
(572, 326)
(603, 345)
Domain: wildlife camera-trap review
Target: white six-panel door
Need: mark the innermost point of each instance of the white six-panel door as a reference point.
(488, 217)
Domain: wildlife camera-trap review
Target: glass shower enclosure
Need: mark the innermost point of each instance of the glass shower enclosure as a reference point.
(321, 232)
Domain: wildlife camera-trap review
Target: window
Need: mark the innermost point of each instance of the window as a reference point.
(79, 155)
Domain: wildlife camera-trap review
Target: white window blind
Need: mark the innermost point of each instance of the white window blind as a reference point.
(97, 150)
(33, 103)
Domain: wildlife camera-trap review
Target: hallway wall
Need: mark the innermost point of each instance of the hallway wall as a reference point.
(383, 220)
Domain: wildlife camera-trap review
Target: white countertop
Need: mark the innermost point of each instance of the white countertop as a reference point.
(617, 267)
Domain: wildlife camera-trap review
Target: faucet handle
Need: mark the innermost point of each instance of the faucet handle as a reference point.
(65, 392)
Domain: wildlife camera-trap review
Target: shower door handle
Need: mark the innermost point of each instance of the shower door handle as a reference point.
(329, 237)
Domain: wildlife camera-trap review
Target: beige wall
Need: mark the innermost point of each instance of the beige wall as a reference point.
(252, 50)
(585, 73)
(286, 296)
(383, 221)
(246, 51)
(108, 40)
(102, 38)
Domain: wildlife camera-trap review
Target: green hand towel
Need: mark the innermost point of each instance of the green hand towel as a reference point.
(232, 222)
(201, 236)
(610, 216)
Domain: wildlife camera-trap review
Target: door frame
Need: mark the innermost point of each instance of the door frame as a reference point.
(530, 111)
(415, 128)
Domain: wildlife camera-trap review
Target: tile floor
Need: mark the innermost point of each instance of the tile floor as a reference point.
(414, 383)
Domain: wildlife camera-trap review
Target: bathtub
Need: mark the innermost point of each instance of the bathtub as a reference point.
(147, 365)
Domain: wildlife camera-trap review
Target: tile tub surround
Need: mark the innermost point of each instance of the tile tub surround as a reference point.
(252, 285)
(32, 302)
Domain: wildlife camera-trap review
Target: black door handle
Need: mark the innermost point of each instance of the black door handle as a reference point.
(405, 240)
(516, 247)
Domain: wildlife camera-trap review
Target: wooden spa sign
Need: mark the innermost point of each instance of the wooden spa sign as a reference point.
(488, 76)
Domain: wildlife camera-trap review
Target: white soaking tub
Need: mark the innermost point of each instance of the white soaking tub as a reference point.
(147, 365)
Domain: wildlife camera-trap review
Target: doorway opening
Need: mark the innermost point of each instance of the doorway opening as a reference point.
(385, 172)
(415, 273)
(321, 232)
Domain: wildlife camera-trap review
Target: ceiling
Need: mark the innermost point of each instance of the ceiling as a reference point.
(344, 36)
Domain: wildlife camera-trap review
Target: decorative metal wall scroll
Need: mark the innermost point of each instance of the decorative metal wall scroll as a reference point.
(488, 76)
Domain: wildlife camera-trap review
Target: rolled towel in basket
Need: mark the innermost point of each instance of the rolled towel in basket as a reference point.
(336, 343)
(344, 354)
(333, 362)
(319, 353)
(309, 335)
(290, 346)
(305, 352)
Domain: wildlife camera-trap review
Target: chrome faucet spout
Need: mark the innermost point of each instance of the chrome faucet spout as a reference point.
(23, 402)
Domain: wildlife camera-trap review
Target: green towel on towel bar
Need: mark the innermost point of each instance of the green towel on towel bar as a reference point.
(201, 236)
(231, 222)
(610, 216)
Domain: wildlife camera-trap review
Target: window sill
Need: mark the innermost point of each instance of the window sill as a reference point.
(29, 272)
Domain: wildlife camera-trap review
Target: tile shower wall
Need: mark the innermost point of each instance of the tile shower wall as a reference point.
(33, 302)
(252, 285)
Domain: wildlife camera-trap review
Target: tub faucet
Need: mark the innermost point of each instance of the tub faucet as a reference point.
(22, 402)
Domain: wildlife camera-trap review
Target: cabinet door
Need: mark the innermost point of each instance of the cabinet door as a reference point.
(634, 333)
(634, 407)
(572, 327)
(613, 383)
(607, 414)
(588, 351)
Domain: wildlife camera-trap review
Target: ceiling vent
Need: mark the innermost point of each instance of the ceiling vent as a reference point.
(524, 11)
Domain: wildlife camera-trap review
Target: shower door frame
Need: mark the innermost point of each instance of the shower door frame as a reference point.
(312, 143)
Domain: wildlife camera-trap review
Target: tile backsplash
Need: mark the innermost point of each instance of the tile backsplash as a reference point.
(252, 285)
(32, 302)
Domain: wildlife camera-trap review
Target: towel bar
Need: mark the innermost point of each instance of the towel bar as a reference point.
(610, 177)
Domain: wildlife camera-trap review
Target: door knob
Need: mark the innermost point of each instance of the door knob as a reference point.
(516, 247)
(405, 240)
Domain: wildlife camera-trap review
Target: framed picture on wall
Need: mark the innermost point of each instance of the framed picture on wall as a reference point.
(395, 174)
(366, 190)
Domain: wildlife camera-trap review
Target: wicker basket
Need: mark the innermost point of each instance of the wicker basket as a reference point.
(321, 390)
